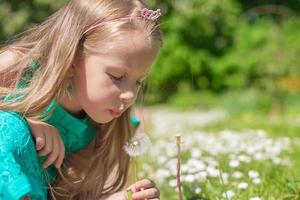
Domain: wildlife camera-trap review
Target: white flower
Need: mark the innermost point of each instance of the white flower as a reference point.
(162, 173)
(237, 175)
(253, 174)
(276, 160)
(255, 198)
(242, 185)
(195, 153)
(198, 190)
(189, 178)
(256, 181)
(202, 176)
(224, 177)
(259, 156)
(173, 183)
(228, 194)
(195, 165)
(212, 172)
(138, 145)
(244, 158)
(184, 168)
(234, 163)
(161, 159)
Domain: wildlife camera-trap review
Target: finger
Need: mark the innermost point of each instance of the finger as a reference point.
(26, 198)
(48, 145)
(40, 142)
(146, 194)
(61, 155)
(54, 153)
(144, 184)
(132, 188)
(39, 138)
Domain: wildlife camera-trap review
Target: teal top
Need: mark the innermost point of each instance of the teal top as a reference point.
(21, 172)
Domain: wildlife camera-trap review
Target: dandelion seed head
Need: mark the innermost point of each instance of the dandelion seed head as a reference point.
(138, 145)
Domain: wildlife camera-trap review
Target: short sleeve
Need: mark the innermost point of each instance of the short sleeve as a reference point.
(14, 184)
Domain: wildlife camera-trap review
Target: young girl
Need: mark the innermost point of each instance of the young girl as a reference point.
(79, 72)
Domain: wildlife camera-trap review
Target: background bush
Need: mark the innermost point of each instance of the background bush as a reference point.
(210, 46)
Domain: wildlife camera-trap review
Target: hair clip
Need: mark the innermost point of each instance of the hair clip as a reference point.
(148, 14)
(145, 13)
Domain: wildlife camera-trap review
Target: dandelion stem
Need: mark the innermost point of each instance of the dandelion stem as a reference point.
(129, 194)
(135, 169)
(178, 142)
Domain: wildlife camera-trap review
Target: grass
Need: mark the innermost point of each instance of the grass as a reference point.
(250, 110)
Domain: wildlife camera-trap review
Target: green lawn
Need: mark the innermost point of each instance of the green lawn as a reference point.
(250, 153)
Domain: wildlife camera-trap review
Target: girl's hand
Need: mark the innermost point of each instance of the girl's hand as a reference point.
(48, 142)
(144, 189)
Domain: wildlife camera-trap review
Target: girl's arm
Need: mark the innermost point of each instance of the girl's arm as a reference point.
(14, 183)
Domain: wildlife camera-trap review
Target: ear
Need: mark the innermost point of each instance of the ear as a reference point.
(71, 71)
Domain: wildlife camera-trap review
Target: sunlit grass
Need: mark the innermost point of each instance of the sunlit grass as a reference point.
(278, 176)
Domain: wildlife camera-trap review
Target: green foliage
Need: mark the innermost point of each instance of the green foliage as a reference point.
(197, 32)
(261, 55)
(208, 45)
(17, 15)
(219, 48)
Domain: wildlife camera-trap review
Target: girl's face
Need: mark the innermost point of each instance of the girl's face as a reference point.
(107, 83)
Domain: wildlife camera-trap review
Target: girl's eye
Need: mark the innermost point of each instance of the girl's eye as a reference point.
(117, 78)
(138, 83)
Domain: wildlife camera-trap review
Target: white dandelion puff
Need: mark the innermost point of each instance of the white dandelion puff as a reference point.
(138, 145)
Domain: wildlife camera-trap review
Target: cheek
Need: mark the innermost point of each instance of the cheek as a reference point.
(94, 88)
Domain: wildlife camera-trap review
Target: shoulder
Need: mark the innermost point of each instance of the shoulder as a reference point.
(11, 118)
(13, 128)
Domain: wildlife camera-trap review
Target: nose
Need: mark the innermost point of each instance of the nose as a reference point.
(127, 97)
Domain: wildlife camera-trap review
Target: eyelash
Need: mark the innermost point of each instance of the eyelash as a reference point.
(139, 83)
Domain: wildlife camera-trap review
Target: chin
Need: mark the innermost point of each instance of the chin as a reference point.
(102, 119)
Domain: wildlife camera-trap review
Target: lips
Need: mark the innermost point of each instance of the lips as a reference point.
(115, 113)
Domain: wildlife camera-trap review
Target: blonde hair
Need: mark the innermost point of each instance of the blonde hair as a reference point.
(54, 44)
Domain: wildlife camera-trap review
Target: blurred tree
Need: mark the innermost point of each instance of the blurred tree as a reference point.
(17, 15)
(291, 4)
(208, 45)
(197, 32)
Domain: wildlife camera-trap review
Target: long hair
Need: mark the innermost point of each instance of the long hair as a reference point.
(54, 44)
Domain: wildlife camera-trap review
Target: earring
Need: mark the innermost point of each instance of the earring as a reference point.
(70, 90)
